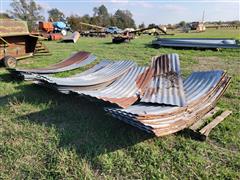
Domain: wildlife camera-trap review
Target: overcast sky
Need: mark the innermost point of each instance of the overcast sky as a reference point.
(152, 11)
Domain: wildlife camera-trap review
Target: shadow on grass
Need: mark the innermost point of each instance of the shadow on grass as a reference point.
(7, 77)
(81, 124)
(179, 48)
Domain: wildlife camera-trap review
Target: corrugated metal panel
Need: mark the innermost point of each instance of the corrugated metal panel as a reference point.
(166, 86)
(95, 68)
(126, 90)
(67, 89)
(106, 74)
(163, 120)
(72, 38)
(197, 42)
(77, 60)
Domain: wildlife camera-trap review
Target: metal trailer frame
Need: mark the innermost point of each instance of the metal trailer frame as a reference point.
(15, 42)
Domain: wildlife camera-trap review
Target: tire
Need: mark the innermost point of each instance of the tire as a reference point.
(64, 32)
(10, 62)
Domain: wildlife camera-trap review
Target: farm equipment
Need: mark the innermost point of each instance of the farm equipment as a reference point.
(96, 31)
(155, 30)
(15, 42)
(54, 30)
(125, 37)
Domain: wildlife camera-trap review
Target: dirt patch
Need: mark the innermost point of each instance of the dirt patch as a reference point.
(210, 62)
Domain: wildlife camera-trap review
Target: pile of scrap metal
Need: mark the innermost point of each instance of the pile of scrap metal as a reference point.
(53, 30)
(155, 99)
(15, 41)
(125, 37)
(75, 61)
(72, 37)
(200, 43)
(95, 31)
(152, 30)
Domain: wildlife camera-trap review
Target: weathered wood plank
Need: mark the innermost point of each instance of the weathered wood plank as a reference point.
(207, 129)
(200, 122)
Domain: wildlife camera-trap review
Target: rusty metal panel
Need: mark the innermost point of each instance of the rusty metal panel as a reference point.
(11, 27)
(162, 119)
(166, 86)
(77, 60)
(72, 38)
(197, 83)
(197, 42)
(126, 90)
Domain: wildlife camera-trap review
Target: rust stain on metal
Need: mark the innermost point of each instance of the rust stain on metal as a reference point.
(75, 58)
(166, 86)
(122, 102)
(167, 120)
(143, 80)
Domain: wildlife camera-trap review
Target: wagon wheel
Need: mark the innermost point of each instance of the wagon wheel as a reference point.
(10, 62)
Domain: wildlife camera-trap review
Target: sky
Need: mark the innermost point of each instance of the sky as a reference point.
(148, 11)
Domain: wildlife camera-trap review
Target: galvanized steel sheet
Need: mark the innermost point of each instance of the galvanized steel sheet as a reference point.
(72, 37)
(197, 42)
(108, 73)
(126, 90)
(211, 85)
(77, 60)
(166, 86)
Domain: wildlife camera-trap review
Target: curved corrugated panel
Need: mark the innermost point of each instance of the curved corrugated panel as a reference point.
(105, 74)
(102, 64)
(126, 90)
(163, 120)
(95, 68)
(196, 85)
(166, 86)
(75, 61)
(72, 37)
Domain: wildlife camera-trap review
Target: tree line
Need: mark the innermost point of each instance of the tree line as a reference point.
(30, 11)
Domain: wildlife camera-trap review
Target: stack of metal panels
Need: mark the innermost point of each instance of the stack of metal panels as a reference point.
(98, 79)
(206, 43)
(75, 61)
(154, 99)
(126, 90)
(202, 90)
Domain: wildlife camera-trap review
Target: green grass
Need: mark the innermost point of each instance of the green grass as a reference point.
(46, 135)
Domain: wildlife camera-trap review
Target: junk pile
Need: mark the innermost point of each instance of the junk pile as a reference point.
(202, 43)
(155, 99)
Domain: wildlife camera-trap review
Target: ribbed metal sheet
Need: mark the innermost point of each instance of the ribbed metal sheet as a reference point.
(197, 42)
(163, 120)
(126, 90)
(198, 83)
(166, 86)
(95, 68)
(75, 61)
(72, 37)
(106, 74)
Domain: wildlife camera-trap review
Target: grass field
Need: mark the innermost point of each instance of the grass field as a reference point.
(45, 135)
